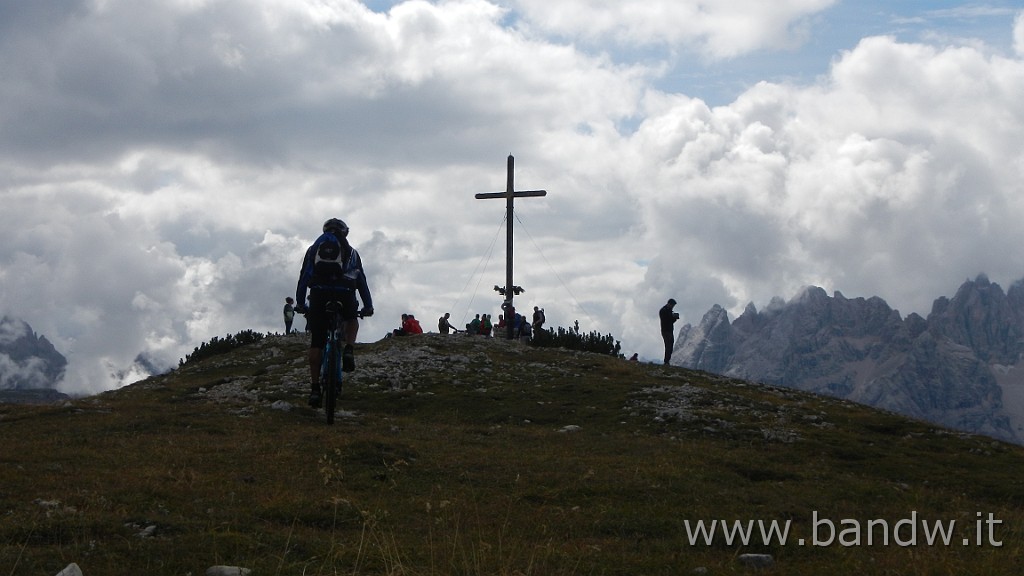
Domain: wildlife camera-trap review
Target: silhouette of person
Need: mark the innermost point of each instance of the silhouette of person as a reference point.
(331, 270)
(289, 314)
(444, 325)
(411, 325)
(668, 319)
(538, 319)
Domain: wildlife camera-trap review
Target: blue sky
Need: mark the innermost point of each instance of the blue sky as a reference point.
(163, 165)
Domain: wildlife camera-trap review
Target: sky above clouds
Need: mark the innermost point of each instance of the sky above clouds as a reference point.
(163, 165)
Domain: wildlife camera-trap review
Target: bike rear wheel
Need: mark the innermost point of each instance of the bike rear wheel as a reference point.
(331, 383)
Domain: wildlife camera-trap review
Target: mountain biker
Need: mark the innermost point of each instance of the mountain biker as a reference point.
(331, 270)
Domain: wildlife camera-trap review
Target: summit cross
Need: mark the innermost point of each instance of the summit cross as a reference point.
(509, 195)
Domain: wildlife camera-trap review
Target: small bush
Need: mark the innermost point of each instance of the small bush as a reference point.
(222, 345)
(573, 339)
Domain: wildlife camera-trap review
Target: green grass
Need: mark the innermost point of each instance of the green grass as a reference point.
(458, 462)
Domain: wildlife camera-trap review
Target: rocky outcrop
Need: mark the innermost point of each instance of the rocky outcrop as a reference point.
(945, 369)
(33, 396)
(27, 360)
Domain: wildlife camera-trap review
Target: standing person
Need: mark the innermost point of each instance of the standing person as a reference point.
(332, 270)
(443, 325)
(538, 319)
(510, 319)
(668, 318)
(289, 314)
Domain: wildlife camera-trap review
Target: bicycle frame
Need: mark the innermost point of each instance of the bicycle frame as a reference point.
(330, 368)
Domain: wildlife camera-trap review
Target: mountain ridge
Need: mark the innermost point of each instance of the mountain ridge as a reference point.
(458, 454)
(953, 367)
(30, 366)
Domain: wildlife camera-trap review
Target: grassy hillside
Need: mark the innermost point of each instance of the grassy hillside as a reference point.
(460, 455)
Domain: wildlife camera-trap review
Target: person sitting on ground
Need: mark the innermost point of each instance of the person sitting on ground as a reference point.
(474, 326)
(411, 325)
(400, 331)
(485, 325)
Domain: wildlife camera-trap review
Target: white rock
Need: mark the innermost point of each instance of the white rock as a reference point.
(227, 571)
(757, 560)
(70, 570)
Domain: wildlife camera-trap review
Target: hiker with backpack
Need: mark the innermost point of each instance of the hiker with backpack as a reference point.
(444, 325)
(331, 270)
(538, 319)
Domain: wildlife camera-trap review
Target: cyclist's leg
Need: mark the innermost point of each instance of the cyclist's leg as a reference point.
(318, 338)
(351, 319)
(351, 331)
(316, 359)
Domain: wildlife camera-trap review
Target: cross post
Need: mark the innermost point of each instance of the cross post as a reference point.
(509, 195)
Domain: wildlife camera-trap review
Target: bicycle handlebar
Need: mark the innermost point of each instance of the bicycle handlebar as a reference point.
(335, 306)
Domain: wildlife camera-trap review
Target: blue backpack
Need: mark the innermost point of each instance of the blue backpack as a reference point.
(331, 261)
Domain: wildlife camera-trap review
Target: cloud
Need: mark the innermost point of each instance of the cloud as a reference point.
(900, 164)
(28, 373)
(1018, 33)
(163, 166)
(717, 30)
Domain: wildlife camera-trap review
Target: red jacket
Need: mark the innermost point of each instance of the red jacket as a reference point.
(412, 326)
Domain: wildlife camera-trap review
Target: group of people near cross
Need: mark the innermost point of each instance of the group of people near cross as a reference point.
(333, 271)
(483, 325)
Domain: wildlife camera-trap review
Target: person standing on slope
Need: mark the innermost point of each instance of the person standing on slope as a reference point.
(289, 314)
(668, 319)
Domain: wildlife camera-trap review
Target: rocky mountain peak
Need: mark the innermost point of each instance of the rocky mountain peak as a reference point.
(981, 317)
(938, 369)
(27, 360)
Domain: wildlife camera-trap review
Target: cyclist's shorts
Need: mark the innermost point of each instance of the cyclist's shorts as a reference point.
(317, 314)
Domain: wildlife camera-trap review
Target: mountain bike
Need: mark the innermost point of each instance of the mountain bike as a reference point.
(330, 369)
(332, 364)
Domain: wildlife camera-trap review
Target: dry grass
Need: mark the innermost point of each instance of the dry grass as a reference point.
(458, 461)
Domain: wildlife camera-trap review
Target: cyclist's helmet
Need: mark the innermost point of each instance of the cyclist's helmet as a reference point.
(336, 227)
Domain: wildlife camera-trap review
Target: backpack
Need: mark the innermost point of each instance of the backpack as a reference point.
(330, 261)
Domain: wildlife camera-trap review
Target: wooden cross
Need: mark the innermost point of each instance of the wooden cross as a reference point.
(509, 195)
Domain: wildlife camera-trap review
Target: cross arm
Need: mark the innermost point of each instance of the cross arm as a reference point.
(521, 194)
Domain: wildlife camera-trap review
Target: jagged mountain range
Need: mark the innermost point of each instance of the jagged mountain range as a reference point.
(959, 367)
(30, 366)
